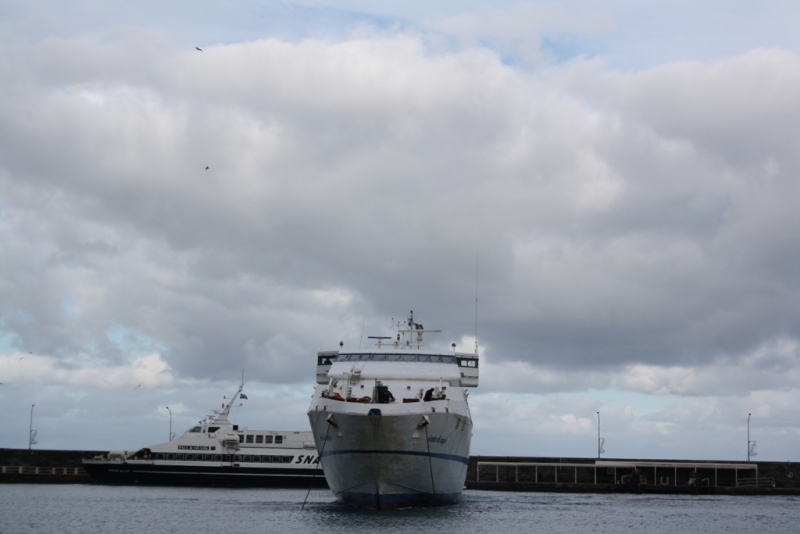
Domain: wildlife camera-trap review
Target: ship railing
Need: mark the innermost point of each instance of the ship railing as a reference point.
(33, 470)
(714, 474)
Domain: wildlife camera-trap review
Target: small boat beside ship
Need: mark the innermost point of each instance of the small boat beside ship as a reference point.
(216, 452)
(392, 422)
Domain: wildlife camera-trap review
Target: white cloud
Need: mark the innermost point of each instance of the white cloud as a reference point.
(148, 372)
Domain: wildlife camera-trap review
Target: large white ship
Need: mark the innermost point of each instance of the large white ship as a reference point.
(392, 422)
(216, 452)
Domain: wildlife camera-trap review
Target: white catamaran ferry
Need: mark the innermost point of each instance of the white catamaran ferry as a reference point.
(392, 422)
(216, 452)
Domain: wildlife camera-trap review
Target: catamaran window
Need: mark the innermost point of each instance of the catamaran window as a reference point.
(196, 429)
(241, 438)
(259, 438)
(179, 456)
(278, 439)
(212, 429)
(170, 456)
(410, 357)
(160, 456)
(249, 438)
(217, 457)
(237, 457)
(267, 439)
(325, 360)
(468, 362)
(287, 459)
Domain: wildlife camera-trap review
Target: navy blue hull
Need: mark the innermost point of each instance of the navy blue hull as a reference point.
(222, 476)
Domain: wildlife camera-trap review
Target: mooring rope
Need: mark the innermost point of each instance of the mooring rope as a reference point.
(430, 460)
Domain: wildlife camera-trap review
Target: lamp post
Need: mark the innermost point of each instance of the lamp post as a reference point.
(170, 423)
(748, 436)
(30, 430)
(598, 435)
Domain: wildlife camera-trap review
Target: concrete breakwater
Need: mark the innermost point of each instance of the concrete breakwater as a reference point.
(44, 466)
(509, 473)
(591, 475)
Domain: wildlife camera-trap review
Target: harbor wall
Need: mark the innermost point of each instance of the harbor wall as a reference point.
(44, 458)
(44, 466)
(581, 475)
(551, 474)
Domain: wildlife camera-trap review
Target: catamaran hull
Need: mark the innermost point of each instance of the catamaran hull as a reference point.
(394, 460)
(108, 472)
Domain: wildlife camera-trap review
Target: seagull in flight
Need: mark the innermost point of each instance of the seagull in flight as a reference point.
(137, 387)
(25, 356)
(198, 48)
(206, 167)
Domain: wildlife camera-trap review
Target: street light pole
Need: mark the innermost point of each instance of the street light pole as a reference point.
(30, 430)
(598, 435)
(170, 423)
(748, 436)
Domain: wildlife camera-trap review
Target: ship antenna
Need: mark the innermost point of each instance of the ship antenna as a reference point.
(476, 303)
(362, 326)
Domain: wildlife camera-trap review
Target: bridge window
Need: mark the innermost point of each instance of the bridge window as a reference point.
(249, 438)
(278, 439)
(267, 439)
(259, 438)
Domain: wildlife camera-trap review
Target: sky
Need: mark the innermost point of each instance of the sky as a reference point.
(605, 195)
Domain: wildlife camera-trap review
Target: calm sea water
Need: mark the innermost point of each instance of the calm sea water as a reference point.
(118, 510)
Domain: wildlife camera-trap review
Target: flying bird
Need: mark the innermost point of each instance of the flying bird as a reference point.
(137, 387)
(206, 167)
(198, 48)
